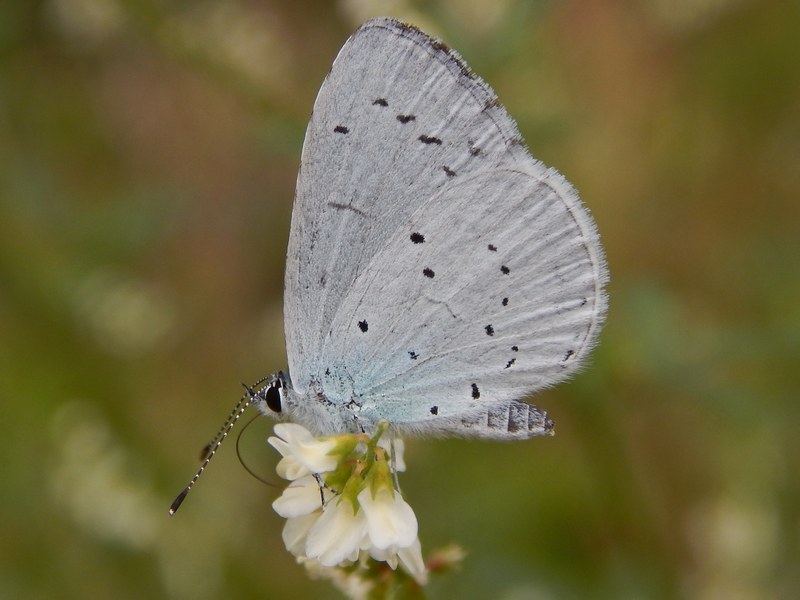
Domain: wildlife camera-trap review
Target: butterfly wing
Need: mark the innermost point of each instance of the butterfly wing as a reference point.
(436, 272)
(366, 166)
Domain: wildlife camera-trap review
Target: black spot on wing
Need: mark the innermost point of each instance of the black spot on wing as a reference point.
(413, 355)
(406, 118)
(417, 238)
(449, 171)
(489, 330)
(363, 326)
(511, 362)
(341, 129)
(492, 248)
(434, 410)
(505, 270)
(380, 102)
(515, 348)
(430, 139)
(476, 393)
(505, 301)
(428, 272)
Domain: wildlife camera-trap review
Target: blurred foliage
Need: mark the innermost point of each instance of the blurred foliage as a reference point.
(148, 151)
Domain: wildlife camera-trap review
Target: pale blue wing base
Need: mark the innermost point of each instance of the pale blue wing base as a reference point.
(512, 420)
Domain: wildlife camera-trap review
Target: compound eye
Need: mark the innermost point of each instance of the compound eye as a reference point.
(273, 397)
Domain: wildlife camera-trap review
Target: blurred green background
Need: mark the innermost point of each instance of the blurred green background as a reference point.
(148, 153)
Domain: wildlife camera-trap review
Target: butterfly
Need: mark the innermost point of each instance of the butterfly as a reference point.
(437, 274)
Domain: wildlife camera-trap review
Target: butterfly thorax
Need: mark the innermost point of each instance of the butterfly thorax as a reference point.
(310, 407)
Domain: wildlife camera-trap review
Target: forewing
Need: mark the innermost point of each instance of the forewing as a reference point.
(398, 121)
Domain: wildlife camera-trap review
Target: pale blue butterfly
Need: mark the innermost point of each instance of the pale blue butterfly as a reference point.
(437, 274)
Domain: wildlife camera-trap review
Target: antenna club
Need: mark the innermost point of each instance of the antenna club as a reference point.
(179, 500)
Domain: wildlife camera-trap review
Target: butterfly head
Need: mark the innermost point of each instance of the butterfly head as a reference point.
(272, 397)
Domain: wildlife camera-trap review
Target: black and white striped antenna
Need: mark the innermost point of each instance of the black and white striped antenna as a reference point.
(250, 397)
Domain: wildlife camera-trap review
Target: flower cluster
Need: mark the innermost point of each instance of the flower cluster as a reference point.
(342, 505)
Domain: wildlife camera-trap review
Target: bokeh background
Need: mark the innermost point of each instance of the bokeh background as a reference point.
(148, 153)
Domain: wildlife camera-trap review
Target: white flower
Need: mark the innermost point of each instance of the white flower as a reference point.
(396, 449)
(411, 559)
(295, 532)
(302, 497)
(352, 512)
(336, 536)
(390, 520)
(302, 453)
(392, 531)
